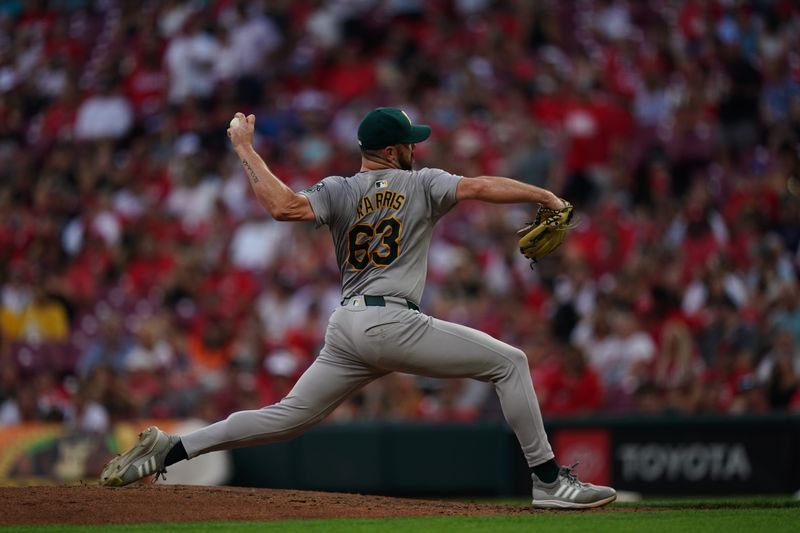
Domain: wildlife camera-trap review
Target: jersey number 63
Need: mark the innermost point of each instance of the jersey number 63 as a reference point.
(361, 236)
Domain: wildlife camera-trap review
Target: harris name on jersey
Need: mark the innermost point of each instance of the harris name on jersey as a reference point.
(383, 199)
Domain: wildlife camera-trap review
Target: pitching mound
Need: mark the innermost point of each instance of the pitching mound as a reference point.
(180, 503)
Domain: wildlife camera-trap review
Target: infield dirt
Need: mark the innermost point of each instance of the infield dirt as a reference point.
(180, 503)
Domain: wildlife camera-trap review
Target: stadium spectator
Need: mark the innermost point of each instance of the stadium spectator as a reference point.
(20, 408)
(567, 386)
(252, 37)
(86, 413)
(191, 57)
(677, 364)
(209, 347)
(786, 315)
(110, 347)
(36, 318)
(146, 82)
(150, 351)
(779, 369)
(105, 115)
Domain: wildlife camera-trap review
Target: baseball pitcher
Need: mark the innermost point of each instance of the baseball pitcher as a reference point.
(381, 220)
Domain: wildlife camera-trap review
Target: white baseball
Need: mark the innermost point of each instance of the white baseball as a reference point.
(234, 122)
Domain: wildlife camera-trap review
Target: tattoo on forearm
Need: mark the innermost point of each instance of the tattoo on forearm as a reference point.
(250, 171)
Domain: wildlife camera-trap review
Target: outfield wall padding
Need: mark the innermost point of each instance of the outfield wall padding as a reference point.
(650, 455)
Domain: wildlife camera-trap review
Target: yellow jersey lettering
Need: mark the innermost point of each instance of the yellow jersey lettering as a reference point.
(380, 200)
(368, 207)
(397, 202)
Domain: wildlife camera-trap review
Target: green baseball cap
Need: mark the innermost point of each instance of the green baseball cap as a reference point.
(386, 126)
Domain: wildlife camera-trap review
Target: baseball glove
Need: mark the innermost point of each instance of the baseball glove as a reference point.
(546, 233)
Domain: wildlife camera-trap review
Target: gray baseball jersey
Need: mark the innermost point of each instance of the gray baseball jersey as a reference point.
(381, 222)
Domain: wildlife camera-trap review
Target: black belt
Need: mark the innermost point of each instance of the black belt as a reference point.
(380, 301)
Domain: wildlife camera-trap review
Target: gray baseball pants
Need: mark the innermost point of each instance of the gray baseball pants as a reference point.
(364, 343)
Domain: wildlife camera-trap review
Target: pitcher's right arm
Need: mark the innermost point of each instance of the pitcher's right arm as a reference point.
(276, 197)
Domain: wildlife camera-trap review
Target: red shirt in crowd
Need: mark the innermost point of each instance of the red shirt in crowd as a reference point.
(592, 125)
(146, 87)
(350, 78)
(562, 393)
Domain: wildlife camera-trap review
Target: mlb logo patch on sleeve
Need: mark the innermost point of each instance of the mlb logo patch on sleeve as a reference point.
(382, 184)
(315, 188)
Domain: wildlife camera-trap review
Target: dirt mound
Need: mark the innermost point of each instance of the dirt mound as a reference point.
(180, 503)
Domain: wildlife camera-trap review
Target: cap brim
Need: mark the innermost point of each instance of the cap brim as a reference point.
(419, 133)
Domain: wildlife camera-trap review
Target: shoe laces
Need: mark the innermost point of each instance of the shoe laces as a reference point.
(569, 475)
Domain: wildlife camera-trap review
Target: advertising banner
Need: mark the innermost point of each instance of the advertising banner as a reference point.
(47, 454)
(707, 458)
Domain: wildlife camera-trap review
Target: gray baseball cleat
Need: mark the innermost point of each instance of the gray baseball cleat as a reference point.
(566, 492)
(144, 458)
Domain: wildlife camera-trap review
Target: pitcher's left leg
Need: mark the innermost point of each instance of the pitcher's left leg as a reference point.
(419, 344)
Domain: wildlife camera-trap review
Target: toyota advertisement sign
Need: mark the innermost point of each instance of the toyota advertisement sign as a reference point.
(685, 455)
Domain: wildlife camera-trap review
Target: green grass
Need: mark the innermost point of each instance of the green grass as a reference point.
(688, 503)
(769, 514)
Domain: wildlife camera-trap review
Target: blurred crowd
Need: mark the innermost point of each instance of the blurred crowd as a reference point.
(140, 278)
